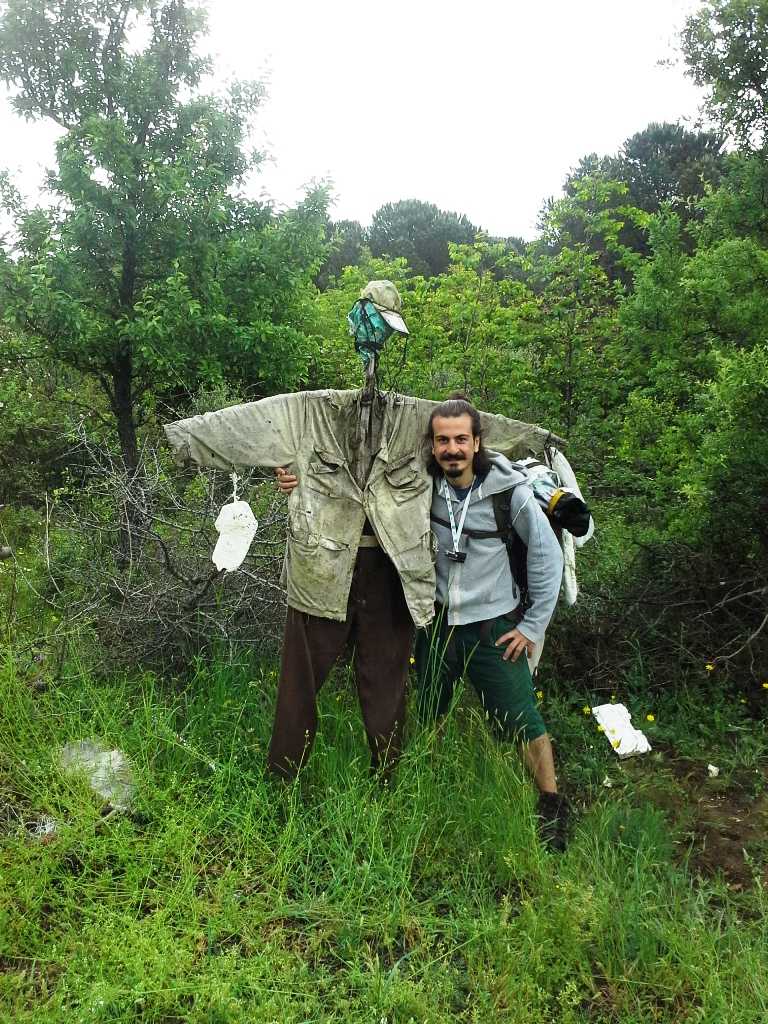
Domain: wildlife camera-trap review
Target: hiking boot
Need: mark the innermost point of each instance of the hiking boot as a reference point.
(553, 814)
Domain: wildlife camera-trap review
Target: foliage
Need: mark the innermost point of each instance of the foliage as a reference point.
(607, 199)
(731, 462)
(725, 45)
(346, 241)
(224, 898)
(570, 327)
(419, 233)
(467, 331)
(150, 271)
(738, 208)
(41, 404)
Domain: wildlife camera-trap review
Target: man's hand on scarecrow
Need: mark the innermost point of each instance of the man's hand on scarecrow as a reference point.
(517, 644)
(285, 481)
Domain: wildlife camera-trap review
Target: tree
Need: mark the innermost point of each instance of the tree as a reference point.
(595, 213)
(420, 233)
(568, 332)
(667, 164)
(725, 45)
(41, 404)
(346, 240)
(150, 272)
(663, 165)
(465, 329)
(738, 208)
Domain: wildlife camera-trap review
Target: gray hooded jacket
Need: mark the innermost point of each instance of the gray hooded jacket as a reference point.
(482, 586)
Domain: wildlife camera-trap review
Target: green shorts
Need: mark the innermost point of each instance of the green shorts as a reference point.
(446, 653)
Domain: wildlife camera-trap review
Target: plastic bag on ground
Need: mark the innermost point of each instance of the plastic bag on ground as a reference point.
(619, 731)
(109, 772)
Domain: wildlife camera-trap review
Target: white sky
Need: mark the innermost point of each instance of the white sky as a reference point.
(482, 107)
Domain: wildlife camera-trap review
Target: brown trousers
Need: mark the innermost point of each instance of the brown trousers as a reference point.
(380, 627)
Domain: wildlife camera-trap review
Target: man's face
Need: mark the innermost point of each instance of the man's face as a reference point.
(454, 446)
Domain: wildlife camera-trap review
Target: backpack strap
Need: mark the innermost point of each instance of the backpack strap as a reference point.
(517, 551)
(476, 534)
(502, 506)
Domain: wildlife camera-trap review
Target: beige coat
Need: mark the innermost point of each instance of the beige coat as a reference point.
(318, 435)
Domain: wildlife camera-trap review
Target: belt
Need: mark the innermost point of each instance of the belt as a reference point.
(367, 540)
(485, 624)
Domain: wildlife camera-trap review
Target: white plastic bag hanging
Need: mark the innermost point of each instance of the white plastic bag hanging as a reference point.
(237, 527)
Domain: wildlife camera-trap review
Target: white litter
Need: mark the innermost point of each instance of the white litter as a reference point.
(109, 772)
(713, 771)
(43, 828)
(237, 527)
(619, 731)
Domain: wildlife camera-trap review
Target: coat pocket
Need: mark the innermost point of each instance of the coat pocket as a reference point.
(325, 473)
(406, 479)
(299, 532)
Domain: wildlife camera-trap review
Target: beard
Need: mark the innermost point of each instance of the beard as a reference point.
(451, 468)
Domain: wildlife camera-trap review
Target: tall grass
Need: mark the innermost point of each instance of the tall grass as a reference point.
(227, 897)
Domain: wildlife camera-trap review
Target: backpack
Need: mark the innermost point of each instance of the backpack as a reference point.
(562, 507)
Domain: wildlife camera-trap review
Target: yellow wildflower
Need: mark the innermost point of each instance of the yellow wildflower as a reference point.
(412, 660)
(540, 694)
(709, 667)
(765, 686)
(587, 709)
(650, 718)
(616, 744)
(600, 728)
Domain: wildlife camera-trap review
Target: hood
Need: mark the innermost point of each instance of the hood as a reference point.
(502, 476)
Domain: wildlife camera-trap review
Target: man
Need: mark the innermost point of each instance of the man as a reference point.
(480, 628)
(358, 563)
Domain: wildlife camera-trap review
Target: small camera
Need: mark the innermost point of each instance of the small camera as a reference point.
(456, 556)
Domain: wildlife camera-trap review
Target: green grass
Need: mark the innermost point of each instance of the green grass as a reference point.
(226, 897)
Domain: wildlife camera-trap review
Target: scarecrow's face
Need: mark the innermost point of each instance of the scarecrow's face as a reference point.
(369, 329)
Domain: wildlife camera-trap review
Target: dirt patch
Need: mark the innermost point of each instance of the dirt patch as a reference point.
(730, 837)
(723, 823)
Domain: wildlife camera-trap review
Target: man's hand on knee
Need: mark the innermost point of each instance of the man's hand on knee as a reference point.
(285, 481)
(517, 644)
